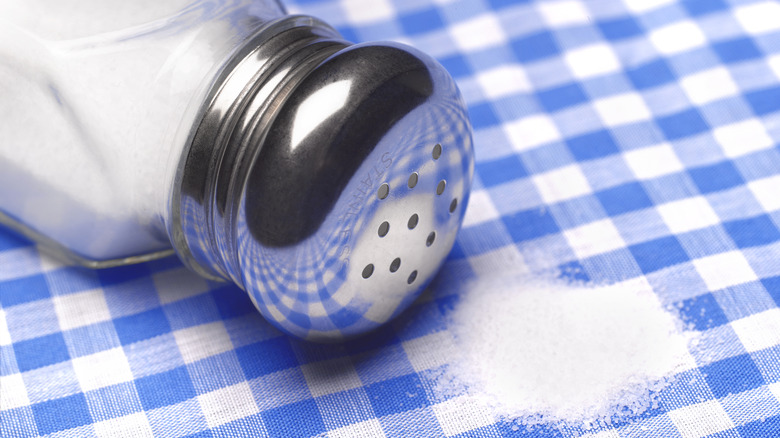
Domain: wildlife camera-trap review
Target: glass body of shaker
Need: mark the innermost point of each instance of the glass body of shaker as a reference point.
(95, 96)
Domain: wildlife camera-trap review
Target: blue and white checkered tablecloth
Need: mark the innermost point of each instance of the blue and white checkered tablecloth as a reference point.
(614, 139)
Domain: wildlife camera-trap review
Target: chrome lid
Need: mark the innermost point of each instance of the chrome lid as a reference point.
(351, 181)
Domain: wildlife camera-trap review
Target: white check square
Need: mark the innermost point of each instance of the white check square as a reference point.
(646, 5)
(688, 214)
(478, 33)
(462, 414)
(594, 238)
(677, 37)
(766, 192)
(5, 334)
(774, 64)
(366, 12)
(759, 331)
(622, 109)
(563, 13)
(775, 389)
(102, 369)
(201, 341)
(503, 81)
(81, 308)
(480, 209)
(758, 18)
(530, 132)
(13, 393)
(700, 420)
(365, 429)
(724, 270)
(130, 426)
(742, 138)
(709, 85)
(653, 161)
(228, 404)
(593, 60)
(563, 183)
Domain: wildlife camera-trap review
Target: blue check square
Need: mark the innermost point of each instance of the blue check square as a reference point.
(23, 290)
(61, 413)
(232, 302)
(732, 376)
(122, 274)
(554, 99)
(736, 50)
(755, 231)
(703, 312)
(502, 170)
(620, 28)
(483, 116)
(651, 74)
(592, 145)
(422, 21)
(764, 101)
(456, 65)
(530, 224)
(535, 47)
(165, 389)
(658, 254)
(682, 124)
(716, 177)
(10, 240)
(296, 420)
(624, 198)
(40, 352)
(266, 357)
(500, 4)
(772, 285)
(141, 326)
(397, 395)
(765, 427)
(699, 8)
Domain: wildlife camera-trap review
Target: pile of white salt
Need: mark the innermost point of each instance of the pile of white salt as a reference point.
(545, 351)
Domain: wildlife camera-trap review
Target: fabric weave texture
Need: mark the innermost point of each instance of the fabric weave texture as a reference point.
(615, 140)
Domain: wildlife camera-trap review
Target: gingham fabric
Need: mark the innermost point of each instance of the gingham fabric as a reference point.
(615, 140)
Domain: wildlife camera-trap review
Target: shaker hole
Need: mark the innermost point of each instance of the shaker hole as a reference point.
(413, 180)
(437, 151)
(431, 238)
(412, 277)
(383, 191)
(368, 270)
(440, 187)
(384, 227)
(395, 264)
(413, 221)
(453, 205)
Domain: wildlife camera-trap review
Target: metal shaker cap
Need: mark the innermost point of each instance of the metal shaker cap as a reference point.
(353, 193)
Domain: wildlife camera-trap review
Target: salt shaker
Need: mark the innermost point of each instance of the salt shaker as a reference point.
(325, 178)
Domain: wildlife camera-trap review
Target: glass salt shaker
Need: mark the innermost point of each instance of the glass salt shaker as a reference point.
(327, 179)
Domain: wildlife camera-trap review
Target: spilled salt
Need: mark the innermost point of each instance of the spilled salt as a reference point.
(545, 351)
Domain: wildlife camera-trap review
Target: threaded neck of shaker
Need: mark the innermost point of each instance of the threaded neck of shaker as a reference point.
(229, 133)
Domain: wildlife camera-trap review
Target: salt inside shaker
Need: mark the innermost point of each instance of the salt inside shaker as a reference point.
(327, 179)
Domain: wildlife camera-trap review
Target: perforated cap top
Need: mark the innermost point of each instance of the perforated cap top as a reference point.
(357, 193)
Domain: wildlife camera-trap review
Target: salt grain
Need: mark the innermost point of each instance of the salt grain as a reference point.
(539, 351)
